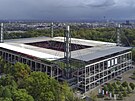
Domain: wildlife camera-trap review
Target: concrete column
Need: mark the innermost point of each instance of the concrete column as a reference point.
(30, 64)
(57, 71)
(89, 71)
(89, 78)
(11, 58)
(126, 59)
(46, 69)
(85, 79)
(35, 66)
(41, 67)
(51, 72)
(26, 60)
(131, 57)
(78, 76)
(103, 70)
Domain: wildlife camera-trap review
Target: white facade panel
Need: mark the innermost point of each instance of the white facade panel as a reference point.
(116, 61)
(112, 63)
(108, 63)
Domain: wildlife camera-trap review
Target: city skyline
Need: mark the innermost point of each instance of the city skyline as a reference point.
(67, 9)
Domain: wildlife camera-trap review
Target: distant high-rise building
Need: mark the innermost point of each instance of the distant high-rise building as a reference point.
(127, 22)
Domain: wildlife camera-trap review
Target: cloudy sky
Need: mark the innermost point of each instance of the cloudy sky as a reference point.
(67, 9)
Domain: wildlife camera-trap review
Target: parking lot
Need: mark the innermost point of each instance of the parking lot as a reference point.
(125, 77)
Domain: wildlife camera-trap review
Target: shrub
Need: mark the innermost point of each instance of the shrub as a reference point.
(107, 98)
(110, 88)
(117, 90)
(124, 93)
(105, 88)
(134, 73)
(129, 89)
(120, 97)
(118, 82)
(113, 94)
(132, 86)
(125, 84)
(121, 88)
(100, 96)
(6, 93)
(114, 85)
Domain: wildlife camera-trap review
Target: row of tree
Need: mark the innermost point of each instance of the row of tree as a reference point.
(18, 83)
(121, 89)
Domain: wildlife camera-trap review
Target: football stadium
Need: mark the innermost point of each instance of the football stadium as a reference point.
(84, 64)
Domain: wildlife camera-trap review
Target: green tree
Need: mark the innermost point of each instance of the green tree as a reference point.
(132, 86)
(8, 80)
(120, 95)
(20, 70)
(2, 63)
(110, 87)
(105, 88)
(38, 84)
(124, 93)
(121, 88)
(125, 84)
(114, 85)
(6, 93)
(5, 99)
(129, 89)
(117, 90)
(118, 82)
(47, 96)
(134, 73)
(44, 88)
(7, 68)
(67, 93)
(1, 90)
(22, 95)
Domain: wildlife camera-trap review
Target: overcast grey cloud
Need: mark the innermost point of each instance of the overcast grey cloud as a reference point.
(66, 9)
(104, 3)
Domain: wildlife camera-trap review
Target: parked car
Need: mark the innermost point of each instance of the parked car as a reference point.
(119, 78)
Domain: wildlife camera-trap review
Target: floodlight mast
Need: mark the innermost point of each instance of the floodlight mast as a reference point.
(67, 52)
(1, 33)
(52, 31)
(118, 32)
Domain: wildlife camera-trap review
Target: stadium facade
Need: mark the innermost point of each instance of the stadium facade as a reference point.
(92, 62)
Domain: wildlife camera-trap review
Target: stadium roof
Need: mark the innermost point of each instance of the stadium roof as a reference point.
(29, 52)
(102, 53)
(98, 49)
